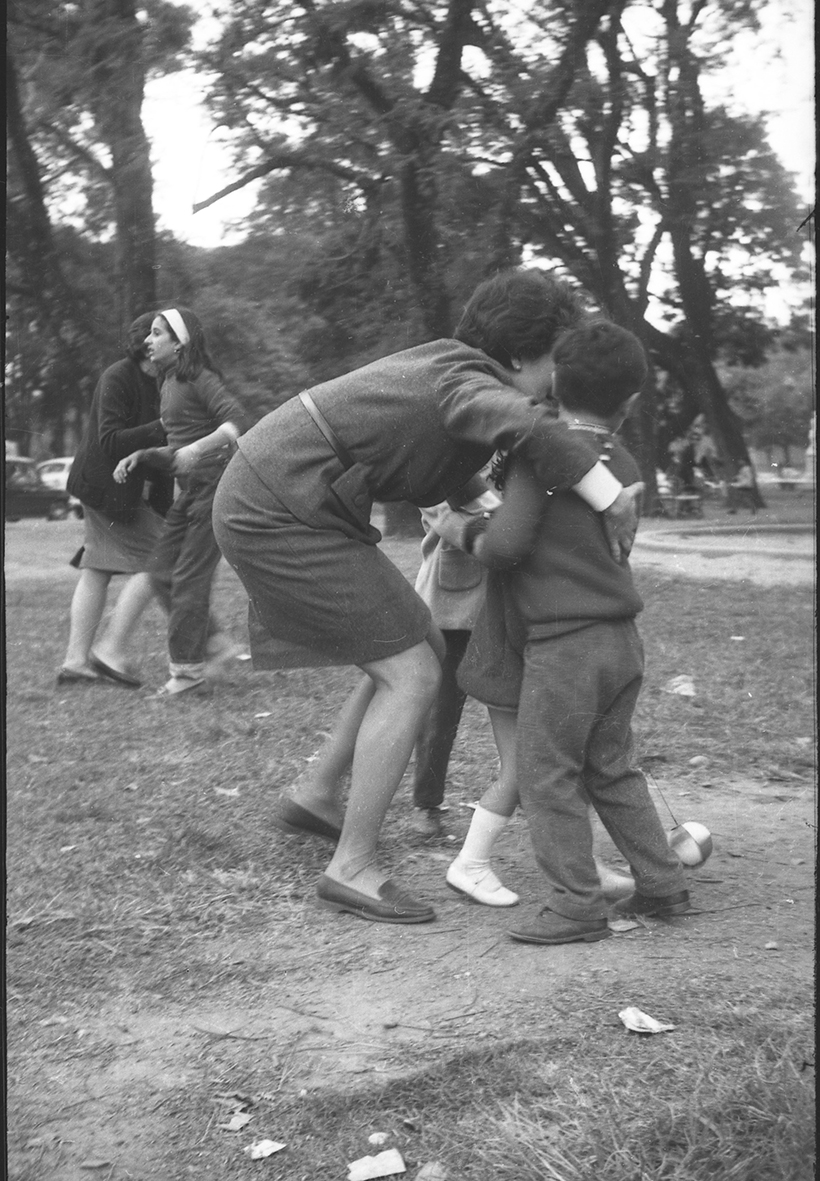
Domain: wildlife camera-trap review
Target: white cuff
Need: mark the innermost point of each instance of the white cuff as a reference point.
(598, 487)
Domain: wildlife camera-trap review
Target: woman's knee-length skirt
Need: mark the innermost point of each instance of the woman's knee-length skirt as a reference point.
(119, 547)
(317, 596)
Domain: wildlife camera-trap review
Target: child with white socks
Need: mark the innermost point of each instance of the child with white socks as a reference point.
(471, 873)
(450, 592)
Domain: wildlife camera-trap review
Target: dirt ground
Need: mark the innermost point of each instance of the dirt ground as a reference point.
(336, 1002)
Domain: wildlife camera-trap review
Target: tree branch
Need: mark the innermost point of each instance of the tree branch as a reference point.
(295, 161)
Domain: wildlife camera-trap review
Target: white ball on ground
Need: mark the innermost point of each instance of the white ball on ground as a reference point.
(691, 841)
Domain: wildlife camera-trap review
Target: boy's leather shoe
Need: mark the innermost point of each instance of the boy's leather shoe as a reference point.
(663, 907)
(548, 927)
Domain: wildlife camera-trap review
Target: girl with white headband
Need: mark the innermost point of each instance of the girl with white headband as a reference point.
(202, 422)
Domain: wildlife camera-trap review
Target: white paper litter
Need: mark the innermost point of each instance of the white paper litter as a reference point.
(262, 1148)
(378, 1138)
(640, 1022)
(237, 1122)
(432, 1172)
(683, 686)
(385, 1164)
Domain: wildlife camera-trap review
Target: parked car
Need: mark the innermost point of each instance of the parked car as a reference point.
(54, 474)
(27, 496)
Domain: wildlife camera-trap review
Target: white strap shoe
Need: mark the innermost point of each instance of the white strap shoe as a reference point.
(481, 885)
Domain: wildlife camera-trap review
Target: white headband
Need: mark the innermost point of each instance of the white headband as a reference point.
(178, 324)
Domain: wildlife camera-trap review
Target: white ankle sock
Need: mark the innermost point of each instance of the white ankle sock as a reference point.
(485, 828)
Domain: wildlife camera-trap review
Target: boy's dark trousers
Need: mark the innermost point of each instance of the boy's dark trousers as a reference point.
(575, 732)
(438, 732)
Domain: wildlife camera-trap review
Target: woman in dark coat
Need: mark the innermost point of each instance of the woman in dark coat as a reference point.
(292, 516)
(121, 524)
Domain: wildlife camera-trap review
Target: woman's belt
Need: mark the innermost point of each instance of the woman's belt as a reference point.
(326, 429)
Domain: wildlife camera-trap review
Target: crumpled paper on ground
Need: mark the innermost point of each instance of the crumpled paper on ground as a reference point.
(640, 1022)
(385, 1164)
(262, 1148)
(683, 686)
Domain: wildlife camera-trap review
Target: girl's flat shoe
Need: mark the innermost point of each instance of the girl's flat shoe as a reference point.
(483, 887)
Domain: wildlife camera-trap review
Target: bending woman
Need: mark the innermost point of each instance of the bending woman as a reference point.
(292, 516)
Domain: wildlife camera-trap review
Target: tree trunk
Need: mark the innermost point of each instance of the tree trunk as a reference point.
(119, 76)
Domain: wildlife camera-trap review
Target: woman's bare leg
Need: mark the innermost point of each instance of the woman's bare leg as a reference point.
(115, 646)
(87, 607)
(319, 788)
(404, 687)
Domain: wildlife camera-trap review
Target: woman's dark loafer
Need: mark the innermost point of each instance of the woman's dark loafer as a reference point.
(548, 928)
(292, 818)
(662, 907)
(392, 906)
(114, 674)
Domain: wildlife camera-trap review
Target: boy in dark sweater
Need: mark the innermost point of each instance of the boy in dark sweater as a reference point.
(569, 608)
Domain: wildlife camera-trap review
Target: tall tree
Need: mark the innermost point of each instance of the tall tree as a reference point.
(79, 174)
(348, 78)
(456, 137)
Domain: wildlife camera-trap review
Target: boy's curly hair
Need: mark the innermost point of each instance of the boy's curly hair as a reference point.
(597, 367)
(519, 313)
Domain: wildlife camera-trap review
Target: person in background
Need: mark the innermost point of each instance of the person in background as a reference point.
(742, 491)
(202, 422)
(121, 525)
(569, 608)
(292, 516)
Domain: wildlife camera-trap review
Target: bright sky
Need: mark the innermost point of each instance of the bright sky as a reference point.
(773, 73)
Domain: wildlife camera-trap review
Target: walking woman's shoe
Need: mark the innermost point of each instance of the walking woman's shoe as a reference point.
(73, 676)
(481, 885)
(118, 675)
(393, 904)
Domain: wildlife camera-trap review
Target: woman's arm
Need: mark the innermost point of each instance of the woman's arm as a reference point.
(478, 407)
(188, 457)
(157, 457)
(120, 429)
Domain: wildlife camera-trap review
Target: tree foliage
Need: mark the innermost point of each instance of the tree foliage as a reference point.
(406, 149)
(415, 147)
(775, 401)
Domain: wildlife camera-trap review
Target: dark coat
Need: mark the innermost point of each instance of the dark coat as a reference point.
(124, 417)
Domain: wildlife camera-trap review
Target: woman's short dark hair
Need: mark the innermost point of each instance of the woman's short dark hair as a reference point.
(597, 367)
(193, 356)
(135, 336)
(519, 313)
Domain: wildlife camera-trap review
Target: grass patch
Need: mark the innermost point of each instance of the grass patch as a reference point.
(592, 1103)
(140, 852)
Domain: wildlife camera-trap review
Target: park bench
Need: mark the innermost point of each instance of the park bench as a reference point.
(684, 504)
